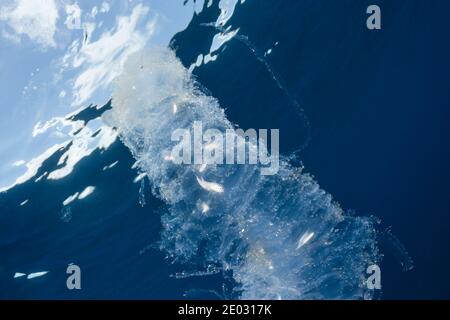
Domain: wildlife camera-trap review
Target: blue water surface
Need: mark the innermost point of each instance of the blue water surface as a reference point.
(372, 107)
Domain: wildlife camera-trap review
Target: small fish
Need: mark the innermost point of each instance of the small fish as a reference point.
(210, 186)
(304, 239)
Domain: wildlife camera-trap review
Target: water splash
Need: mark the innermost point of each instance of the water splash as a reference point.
(251, 230)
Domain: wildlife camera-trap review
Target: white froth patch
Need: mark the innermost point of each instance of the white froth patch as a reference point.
(258, 218)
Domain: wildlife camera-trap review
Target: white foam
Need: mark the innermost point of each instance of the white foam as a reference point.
(255, 225)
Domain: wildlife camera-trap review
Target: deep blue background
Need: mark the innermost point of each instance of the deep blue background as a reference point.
(378, 103)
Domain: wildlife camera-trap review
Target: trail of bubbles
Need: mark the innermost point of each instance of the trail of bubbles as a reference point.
(277, 79)
(279, 236)
(142, 193)
(396, 247)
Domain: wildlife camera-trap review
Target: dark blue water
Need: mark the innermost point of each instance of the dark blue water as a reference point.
(377, 104)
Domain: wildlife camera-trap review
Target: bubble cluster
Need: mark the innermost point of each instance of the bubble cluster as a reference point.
(280, 236)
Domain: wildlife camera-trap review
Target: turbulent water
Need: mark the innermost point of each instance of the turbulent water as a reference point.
(93, 182)
(278, 236)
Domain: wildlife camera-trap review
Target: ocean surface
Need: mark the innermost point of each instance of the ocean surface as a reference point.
(363, 113)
